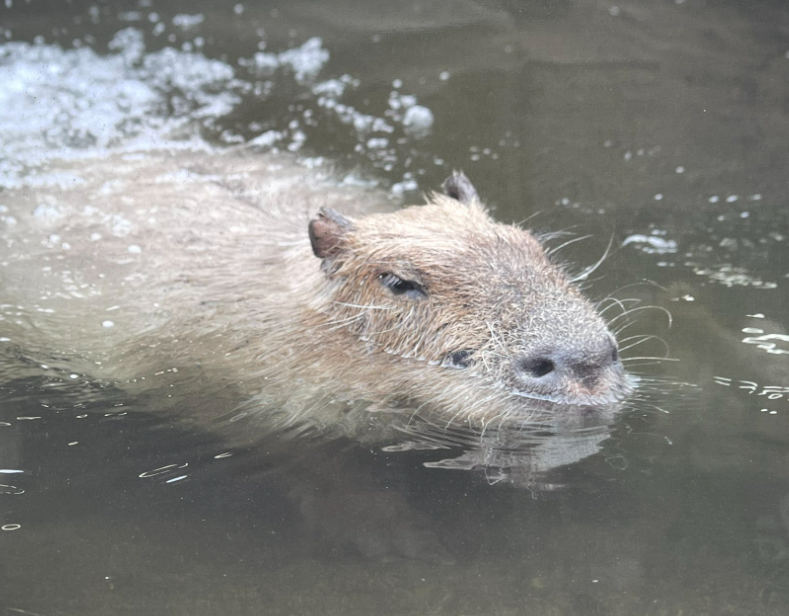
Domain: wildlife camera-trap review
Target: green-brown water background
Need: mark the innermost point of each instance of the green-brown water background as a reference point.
(662, 123)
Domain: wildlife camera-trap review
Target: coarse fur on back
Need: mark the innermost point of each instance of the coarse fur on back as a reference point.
(318, 295)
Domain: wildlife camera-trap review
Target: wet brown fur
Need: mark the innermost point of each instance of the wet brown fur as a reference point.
(229, 272)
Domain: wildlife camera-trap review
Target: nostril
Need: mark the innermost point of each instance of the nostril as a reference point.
(615, 355)
(538, 367)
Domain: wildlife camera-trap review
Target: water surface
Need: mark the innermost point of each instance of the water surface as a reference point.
(662, 125)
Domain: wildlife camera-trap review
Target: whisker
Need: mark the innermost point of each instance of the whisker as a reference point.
(416, 411)
(451, 419)
(633, 337)
(343, 321)
(528, 218)
(639, 308)
(645, 282)
(619, 330)
(553, 251)
(589, 270)
(644, 338)
(367, 307)
(616, 302)
(496, 339)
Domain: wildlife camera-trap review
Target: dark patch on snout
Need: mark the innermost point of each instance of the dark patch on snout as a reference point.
(588, 373)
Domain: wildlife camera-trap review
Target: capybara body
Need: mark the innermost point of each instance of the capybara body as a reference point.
(317, 295)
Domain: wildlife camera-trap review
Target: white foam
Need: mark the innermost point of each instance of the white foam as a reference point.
(305, 61)
(58, 103)
(376, 143)
(652, 244)
(185, 21)
(418, 120)
(407, 185)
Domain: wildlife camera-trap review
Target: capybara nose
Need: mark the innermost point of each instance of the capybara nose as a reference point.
(550, 368)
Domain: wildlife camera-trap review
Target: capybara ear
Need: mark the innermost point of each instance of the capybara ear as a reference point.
(327, 231)
(459, 187)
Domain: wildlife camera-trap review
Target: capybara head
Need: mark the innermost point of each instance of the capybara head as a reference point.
(445, 284)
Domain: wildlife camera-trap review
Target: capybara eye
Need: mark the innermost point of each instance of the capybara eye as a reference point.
(398, 286)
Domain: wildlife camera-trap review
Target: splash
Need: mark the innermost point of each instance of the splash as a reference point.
(57, 103)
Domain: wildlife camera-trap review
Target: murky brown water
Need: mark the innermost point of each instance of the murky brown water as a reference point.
(664, 125)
